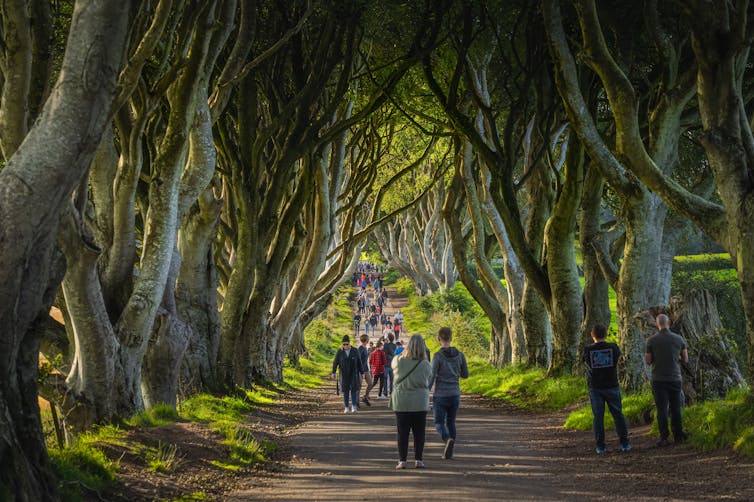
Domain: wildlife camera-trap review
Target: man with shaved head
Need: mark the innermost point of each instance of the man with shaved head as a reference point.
(664, 353)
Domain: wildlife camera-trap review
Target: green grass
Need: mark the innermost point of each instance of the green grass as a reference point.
(637, 408)
(161, 414)
(82, 469)
(192, 497)
(722, 423)
(527, 388)
(164, 458)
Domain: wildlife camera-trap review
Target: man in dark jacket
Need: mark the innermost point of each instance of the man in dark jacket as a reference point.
(448, 366)
(348, 362)
(601, 360)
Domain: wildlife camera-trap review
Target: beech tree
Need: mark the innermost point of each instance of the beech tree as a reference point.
(644, 213)
(467, 90)
(42, 173)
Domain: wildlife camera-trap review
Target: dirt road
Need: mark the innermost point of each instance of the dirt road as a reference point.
(501, 455)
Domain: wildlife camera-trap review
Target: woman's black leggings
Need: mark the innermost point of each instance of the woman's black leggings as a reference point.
(414, 421)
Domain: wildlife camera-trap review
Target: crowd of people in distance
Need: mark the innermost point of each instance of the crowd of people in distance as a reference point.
(405, 375)
(402, 374)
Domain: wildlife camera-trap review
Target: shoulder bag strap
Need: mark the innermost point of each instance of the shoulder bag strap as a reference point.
(407, 374)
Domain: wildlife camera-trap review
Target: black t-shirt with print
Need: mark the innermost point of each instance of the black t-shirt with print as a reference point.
(601, 360)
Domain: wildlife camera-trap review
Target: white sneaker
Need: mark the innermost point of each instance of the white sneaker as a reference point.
(345, 410)
(353, 409)
(381, 398)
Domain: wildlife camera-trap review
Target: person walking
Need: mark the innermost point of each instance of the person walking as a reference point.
(389, 349)
(600, 359)
(377, 362)
(665, 352)
(364, 355)
(348, 362)
(448, 367)
(410, 399)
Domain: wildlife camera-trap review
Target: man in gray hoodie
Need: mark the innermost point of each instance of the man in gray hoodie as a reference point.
(448, 366)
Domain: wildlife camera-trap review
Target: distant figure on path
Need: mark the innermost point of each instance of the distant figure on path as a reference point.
(410, 398)
(600, 359)
(364, 355)
(665, 351)
(389, 349)
(448, 367)
(377, 362)
(348, 362)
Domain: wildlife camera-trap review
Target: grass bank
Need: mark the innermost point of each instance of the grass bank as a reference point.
(713, 424)
(87, 466)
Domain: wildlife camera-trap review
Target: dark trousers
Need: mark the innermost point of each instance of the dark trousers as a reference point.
(377, 381)
(668, 394)
(414, 421)
(599, 398)
(446, 409)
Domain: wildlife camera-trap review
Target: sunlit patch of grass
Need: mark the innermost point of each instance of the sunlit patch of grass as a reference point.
(225, 465)
(192, 497)
(82, 469)
(529, 388)
(722, 422)
(244, 448)
(161, 414)
(637, 408)
(209, 408)
(164, 458)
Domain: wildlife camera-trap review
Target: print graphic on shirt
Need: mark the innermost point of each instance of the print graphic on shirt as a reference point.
(602, 358)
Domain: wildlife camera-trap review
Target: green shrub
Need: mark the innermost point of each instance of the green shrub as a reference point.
(702, 262)
(466, 336)
(391, 276)
(404, 286)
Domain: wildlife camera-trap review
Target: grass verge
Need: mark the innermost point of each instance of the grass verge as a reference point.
(527, 388)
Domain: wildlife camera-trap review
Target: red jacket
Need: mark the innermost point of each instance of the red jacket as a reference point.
(378, 360)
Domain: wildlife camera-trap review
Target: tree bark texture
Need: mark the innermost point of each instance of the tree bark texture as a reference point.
(42, 174)
(712, 369)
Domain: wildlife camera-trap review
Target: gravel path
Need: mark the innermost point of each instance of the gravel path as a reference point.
(501, 454)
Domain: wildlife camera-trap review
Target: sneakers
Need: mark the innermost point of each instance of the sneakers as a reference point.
(381, 398)
(354, 409)
(663, 442)
(401, 465)
(366, 401)
(625, 447)
(600, 450)
(448, 451)
(419, 464)
(345, 410)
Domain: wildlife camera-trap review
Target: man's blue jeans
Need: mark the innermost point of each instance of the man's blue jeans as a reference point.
(388, 381)
(611, 397)
(669, 394)
(446, 409)
(353, 394)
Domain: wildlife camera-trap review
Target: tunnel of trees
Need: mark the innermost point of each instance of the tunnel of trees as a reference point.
(184, 184)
